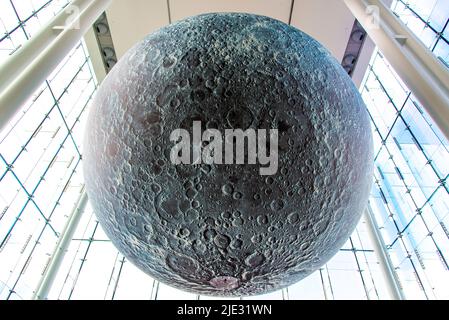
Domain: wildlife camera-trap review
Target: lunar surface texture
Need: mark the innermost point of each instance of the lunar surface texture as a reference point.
(218, 229)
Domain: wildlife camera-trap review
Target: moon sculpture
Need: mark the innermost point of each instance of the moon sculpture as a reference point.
(226, 229)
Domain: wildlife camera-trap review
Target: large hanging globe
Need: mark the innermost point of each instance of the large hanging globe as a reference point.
(226, 229)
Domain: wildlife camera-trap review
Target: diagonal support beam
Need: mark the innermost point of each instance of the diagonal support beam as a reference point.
(37, 68)
(21, 59)
(425, 75)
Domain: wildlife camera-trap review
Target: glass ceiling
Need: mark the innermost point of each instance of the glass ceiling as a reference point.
(41, 180)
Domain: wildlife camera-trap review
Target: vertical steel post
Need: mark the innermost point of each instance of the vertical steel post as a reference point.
(387, 269)
(50, 273)
(31, 49)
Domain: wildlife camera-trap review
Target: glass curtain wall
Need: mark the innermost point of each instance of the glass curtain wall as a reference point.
(40, 158)
(410, 200)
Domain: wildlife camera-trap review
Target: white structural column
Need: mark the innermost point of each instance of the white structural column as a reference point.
(46, 282)
(425, 75)
(37, 69)
(21, 59)
(390, 278)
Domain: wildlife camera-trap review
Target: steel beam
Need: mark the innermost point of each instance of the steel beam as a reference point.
(37, 70)
(424, 74)
(23, 57)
